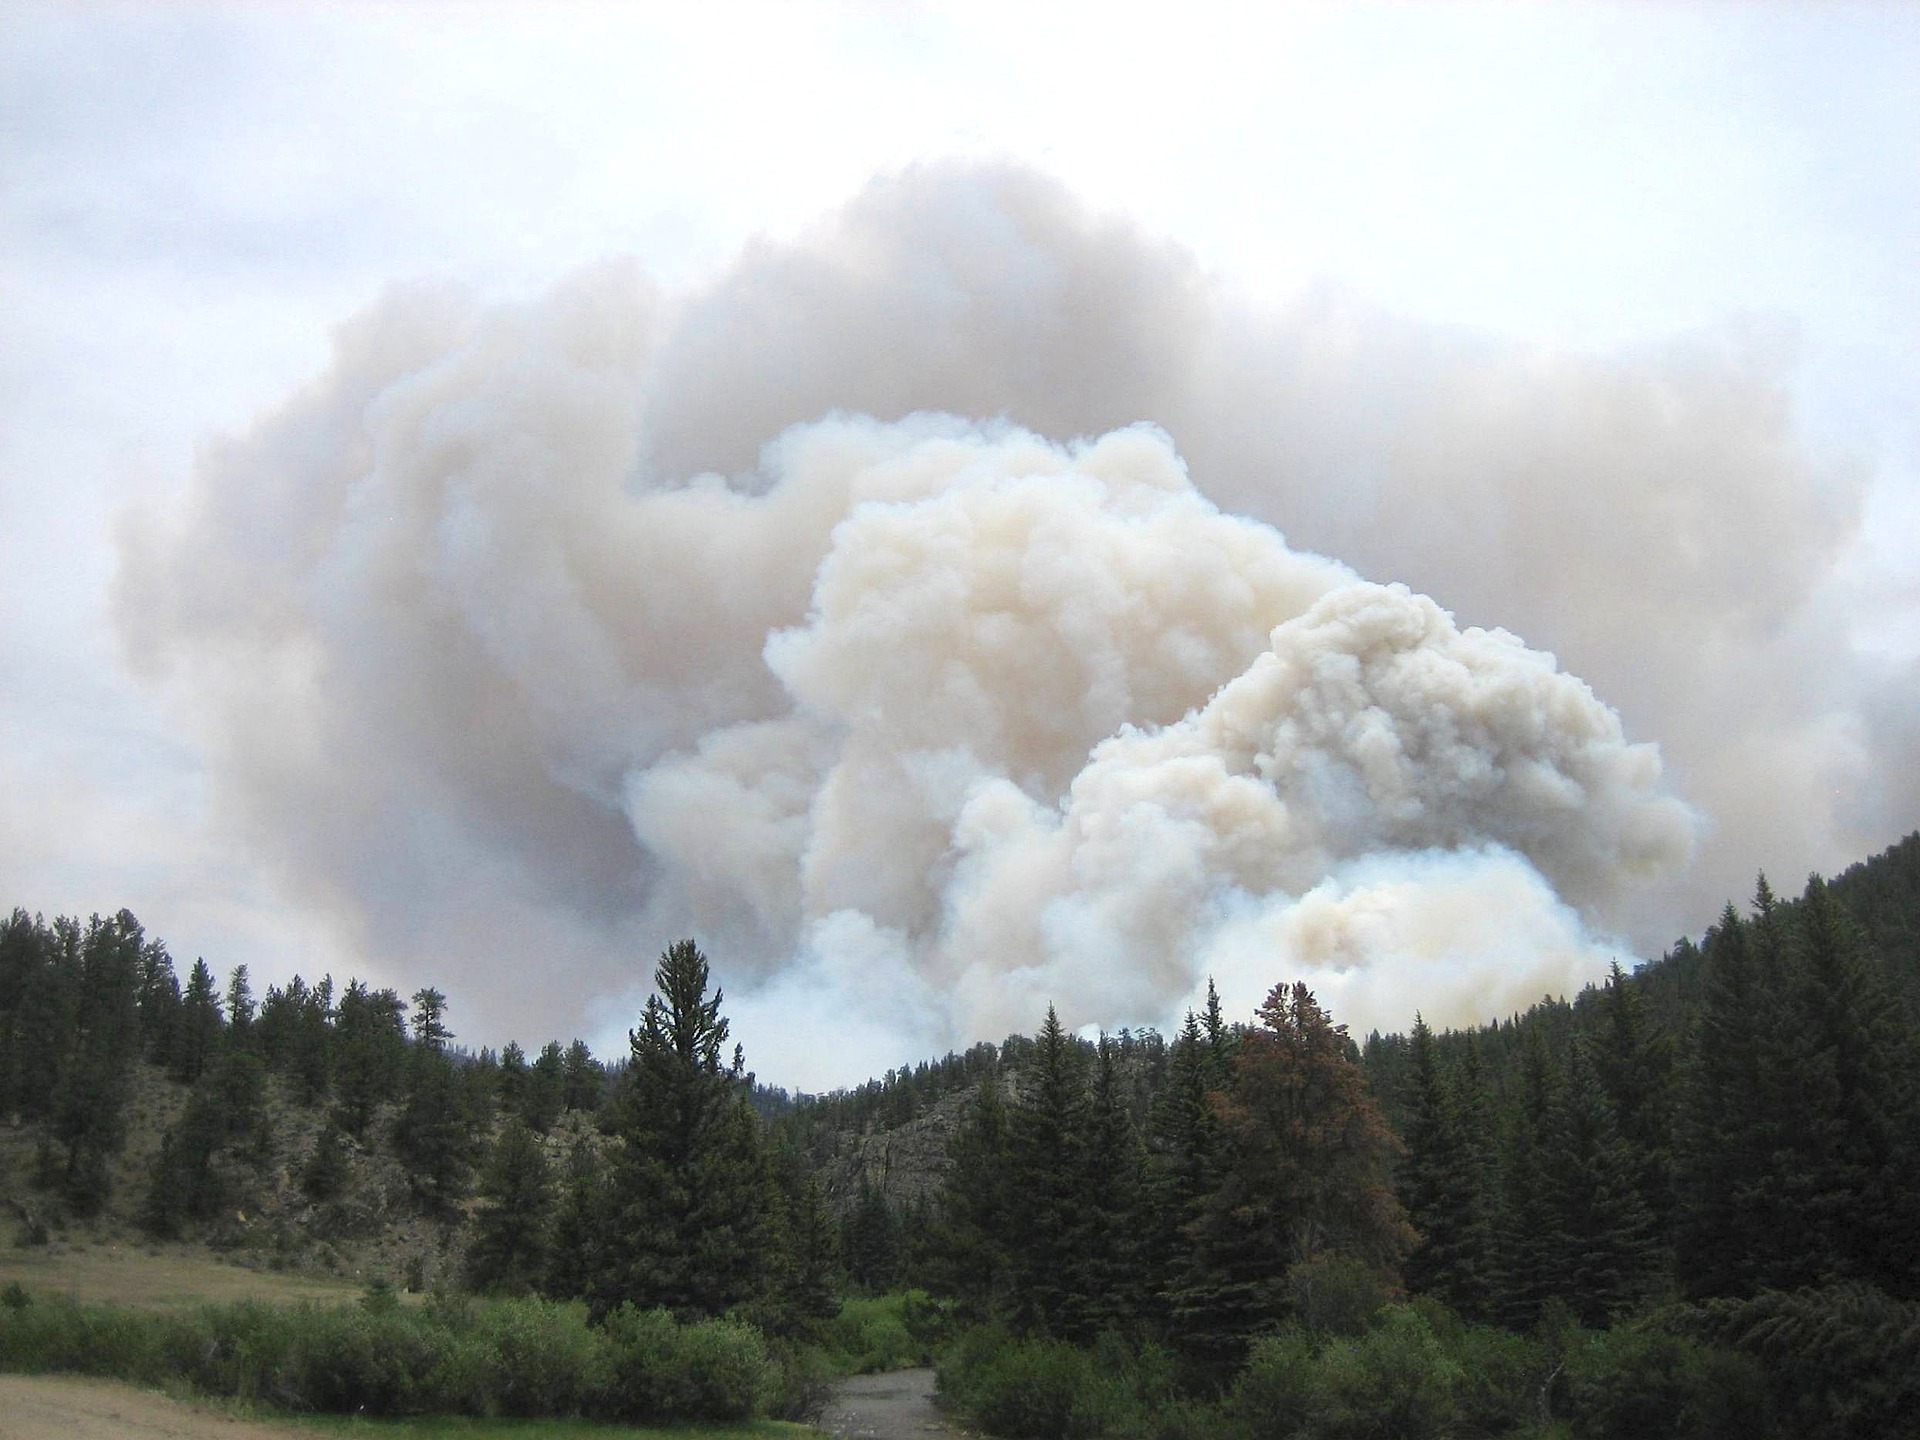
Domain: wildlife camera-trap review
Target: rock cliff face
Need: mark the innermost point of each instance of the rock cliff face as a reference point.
(906, 1163)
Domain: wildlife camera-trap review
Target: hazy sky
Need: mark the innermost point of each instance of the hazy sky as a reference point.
(1660, 256)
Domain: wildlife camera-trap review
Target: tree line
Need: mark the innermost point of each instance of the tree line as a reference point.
(1729, 1135)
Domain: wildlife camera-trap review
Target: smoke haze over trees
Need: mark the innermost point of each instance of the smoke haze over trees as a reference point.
(575, 592)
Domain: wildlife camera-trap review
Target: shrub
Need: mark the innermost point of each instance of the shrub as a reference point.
(1335, 1294)
(1497, 1389)
(803, 1380)
(658, 1370)
(1032, 1389)
(525, 1358)
(1644, 1383)
(871, 1334)
(542, 1357)
(1843, 1359)
(1278, 1391)
(1397, 1379)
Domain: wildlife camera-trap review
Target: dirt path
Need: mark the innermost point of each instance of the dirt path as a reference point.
(64, 1407)
(898, 1406)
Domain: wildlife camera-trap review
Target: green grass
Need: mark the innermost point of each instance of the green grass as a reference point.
(128, 1275)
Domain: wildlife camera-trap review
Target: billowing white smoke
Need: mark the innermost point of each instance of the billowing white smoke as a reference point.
(530, 638)
(1012, 769)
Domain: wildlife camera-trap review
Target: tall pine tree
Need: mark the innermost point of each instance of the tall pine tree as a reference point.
(689, 1189)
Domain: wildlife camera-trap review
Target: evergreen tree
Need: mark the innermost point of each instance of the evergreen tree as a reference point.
(1110, 1204)
(1182, 1171)
(811, 1292)
(370, 1053)
(223, 1117)
(325, 1173)
(573, 1255)
(1048, 1257)
(1307, 1165)
(1524, 1219)
(240, 1010)
(511, 1079)
(585, 1081)
(1442, 1185)
(689, 1189)
(1600, 1257)
(430, 1135)
(546, 1088)
(871, 1240)
(96, 1072)
(1728, 1218)
(1852, 1191)
(197, 1041)
(1635, 1064)
(158, 1004)
(39, 991)
(509, 1250)
(976, 1206)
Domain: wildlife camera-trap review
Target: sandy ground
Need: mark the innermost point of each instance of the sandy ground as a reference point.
(898, 1406)
(63, 1407)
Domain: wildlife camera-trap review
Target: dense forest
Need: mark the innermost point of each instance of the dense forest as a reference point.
(1684, 1202)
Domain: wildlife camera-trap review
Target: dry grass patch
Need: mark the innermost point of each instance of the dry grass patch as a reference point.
(128, 1275)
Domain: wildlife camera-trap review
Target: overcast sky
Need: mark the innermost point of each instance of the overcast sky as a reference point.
(193, 199)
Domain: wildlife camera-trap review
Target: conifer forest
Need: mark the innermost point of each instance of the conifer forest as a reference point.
(1684, 1202)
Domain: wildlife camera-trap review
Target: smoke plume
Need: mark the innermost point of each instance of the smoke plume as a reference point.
(859, 614)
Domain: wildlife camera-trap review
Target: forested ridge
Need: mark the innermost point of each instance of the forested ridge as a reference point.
(1683, 1202)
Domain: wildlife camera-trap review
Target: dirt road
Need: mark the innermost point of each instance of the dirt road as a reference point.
(898, 1406)
(65, 1407)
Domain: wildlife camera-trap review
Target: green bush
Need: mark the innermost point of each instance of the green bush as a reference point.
(1397, 1379)
(658, 1370)
(525, 1358)
(803, 1383)
(1278, 1392)
(1032, 1389)
(871, 1334)
(1497, 1391)
(1645, 1383)
(1335, 1294)
(543, 1358)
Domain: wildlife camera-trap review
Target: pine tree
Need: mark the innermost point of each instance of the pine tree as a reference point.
(197, 1039)
(158, 1004)
(96, 1072)
(546, 1088)
(370, 1054)
(430, 1135)
(1048, 1258)
(871, 1240)
(1307, 1164)
(976, 1208)
(325, 1173)
(1601, 1254)
(1728, 1222)
(579, 1218)
(1852, 1197)
(689, 1187)
(585, 1082)
(511, 1079)
(240, 1010)
(1635, 1065)
(811, 1291)
(1110, 1204)
(1442, 1185)
(508, 1253)
(1182, 1169)
(1524, 1278)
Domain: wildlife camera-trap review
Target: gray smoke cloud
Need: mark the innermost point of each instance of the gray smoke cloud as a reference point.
(529, 637)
